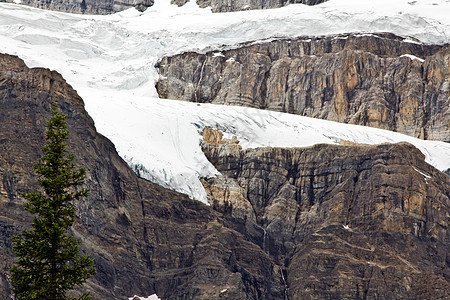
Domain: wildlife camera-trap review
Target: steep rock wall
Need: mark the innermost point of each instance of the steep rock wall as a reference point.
(238, 5)
(278, 224)
(96, 7)
(348, 222)
(104, 7)
(374, 80)
(144, 239)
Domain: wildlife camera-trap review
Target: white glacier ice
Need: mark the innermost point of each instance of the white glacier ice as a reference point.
(110, 61)
(151, 297)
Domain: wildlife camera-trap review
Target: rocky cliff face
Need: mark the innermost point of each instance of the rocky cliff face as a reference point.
(378, 80)
(103, 7)
(238, 5)
(144, 239)
(100, 7)
(340, 222)
(347, 222)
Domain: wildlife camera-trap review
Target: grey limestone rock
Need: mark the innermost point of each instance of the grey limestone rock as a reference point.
(144, 239)
(347, 222)
(100, 7)
(103, 7)
(325, 222)
(239, 5)
(376, 80)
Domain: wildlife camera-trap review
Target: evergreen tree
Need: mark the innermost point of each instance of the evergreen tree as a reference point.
(49, 262)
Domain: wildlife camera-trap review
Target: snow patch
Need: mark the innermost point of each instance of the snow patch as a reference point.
(151, 297)
(413, 57)
(422, 173)
(411, 41)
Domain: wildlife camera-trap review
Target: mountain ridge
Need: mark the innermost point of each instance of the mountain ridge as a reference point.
(131, 227)
(180, 248)
(376, 80)
(105, 7)
(335, 211)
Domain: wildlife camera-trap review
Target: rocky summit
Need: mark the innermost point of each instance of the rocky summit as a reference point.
(378, 80)
(326, 222)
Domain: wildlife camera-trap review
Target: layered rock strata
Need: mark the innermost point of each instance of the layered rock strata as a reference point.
(340, 222)
(144, 239)
(347, 222)
(104, 7)
(239, 5)
(378, 80)
(96, 7)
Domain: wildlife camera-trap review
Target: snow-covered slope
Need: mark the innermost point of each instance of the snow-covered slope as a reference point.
(160, 138)
(110, 61)
(151, 297)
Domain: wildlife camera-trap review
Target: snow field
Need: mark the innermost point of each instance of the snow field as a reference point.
(110, 61)
(151, 297)
(162, 138)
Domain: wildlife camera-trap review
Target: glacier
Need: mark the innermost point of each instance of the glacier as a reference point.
(110, 61)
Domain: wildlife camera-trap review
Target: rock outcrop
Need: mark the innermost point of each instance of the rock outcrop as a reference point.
(97, 7)
(144, 239)
(378, 80)
(239, 5)
(347, 222)
(340, 222)
(104, 7)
